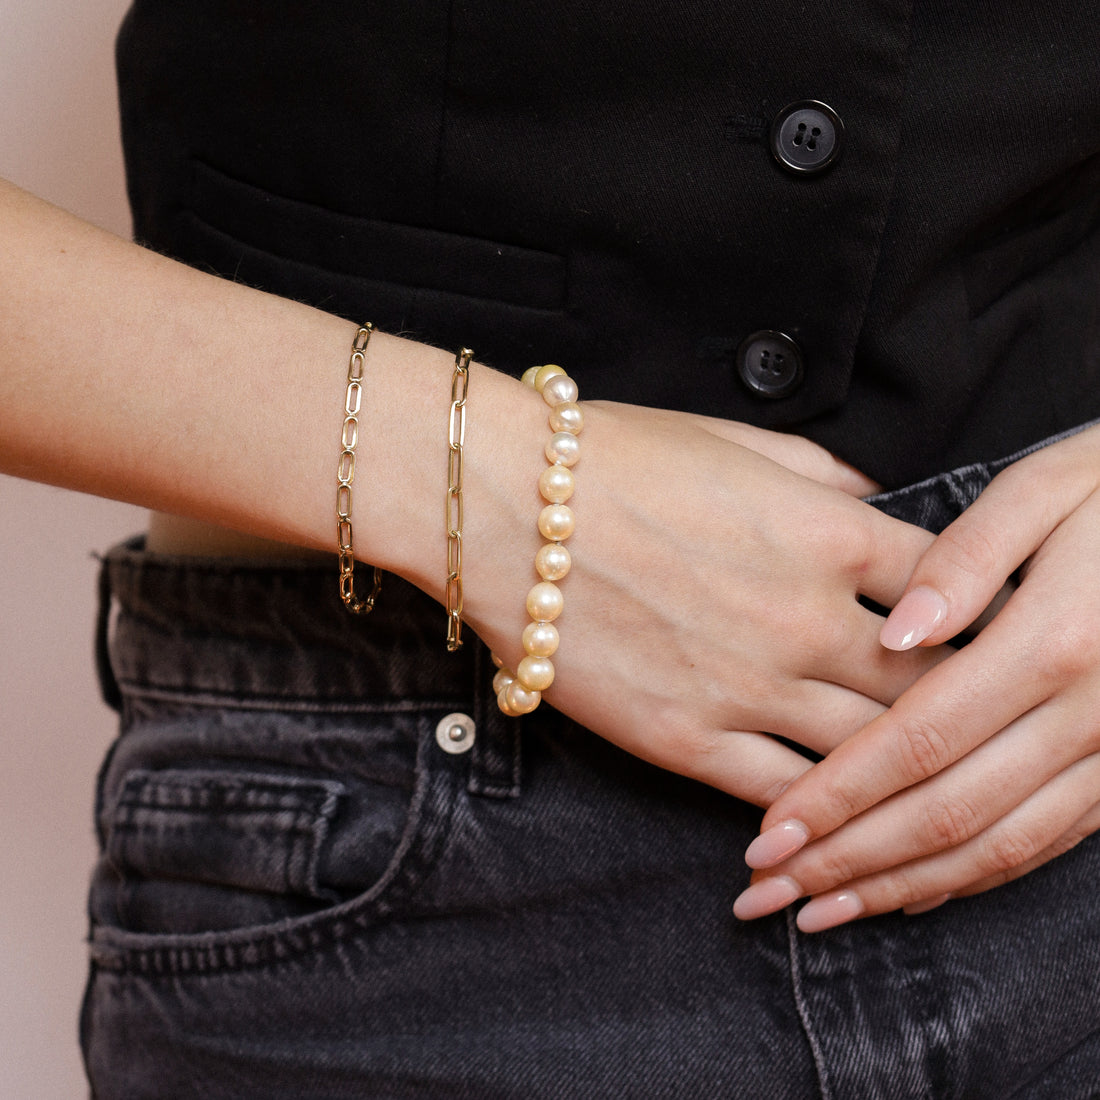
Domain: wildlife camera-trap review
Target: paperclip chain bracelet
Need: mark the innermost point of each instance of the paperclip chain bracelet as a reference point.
(520, 692)
(349, 439)
(456, 435)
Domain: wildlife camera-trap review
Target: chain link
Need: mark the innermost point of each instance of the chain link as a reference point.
(456, 435)
(345, 474)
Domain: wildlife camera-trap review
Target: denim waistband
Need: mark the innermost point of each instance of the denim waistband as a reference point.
(276, 635)
(936, 501)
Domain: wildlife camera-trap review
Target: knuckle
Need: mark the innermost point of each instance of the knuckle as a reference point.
(1008, 848)
(973, 552)
(924, 748)
(840, 868)
(771, 790)
(845, 796)
(897, 887)
(951, 822)
(854, 543)
(1069, 650)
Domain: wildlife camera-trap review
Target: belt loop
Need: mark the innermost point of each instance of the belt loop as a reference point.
(495, 759)
(108, 685)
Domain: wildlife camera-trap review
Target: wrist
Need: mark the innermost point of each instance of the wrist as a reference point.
(401, 500)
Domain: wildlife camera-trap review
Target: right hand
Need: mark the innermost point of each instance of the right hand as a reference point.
(714, 596)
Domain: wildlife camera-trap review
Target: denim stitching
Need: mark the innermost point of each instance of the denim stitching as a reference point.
(804, 1009)
(430, 812)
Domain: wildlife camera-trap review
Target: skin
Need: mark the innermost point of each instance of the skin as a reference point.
(989, 766)
(219, 404)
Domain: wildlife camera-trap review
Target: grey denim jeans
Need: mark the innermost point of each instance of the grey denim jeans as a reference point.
(302, 895)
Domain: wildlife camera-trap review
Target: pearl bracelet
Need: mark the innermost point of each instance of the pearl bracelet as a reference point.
(521, 692)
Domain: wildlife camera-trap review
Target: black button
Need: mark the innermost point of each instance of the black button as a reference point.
(806, 137)
(770, 364)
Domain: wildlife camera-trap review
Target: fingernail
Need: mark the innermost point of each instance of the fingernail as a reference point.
(776, 844)
(918, 907)
(917, 614)
(769, 895)
(828, 911)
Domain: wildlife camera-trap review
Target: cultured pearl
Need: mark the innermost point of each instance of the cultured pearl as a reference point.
(557, 522)
(521, 693)
(566, 418)
(559, 389)
(535, 673)
(556, 483)
(545, 602)
(544, 374)
(519, 699)
(553, 561)
(563, 448)
(540, 639)
(505, 706)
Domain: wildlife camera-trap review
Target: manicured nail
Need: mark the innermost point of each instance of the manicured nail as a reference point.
(918, 907)
(769, 895)
(828, 911)
(917, 614)
(776, 844)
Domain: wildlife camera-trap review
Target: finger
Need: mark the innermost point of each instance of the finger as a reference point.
(749, 765)
(814, 710)
(974, 694)
(1081, 830)
(963, 570)
(1018, 842)
(821, 716)
(846, 651)
(796, 453)
(948, 810)
(891, 550)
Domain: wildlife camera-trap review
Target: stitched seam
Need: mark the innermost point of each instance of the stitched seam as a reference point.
(413, 291)
(299, 705)
(414, 860)
(804, 1009)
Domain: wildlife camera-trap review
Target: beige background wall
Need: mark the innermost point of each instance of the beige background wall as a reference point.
(59, 138)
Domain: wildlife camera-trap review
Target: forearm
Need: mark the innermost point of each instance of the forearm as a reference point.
(125, 374)
(128, 375)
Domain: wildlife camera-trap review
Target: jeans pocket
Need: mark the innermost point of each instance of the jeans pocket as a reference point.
(211, 859)
(177, 831)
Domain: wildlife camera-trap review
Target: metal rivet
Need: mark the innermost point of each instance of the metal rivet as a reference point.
(455, 733)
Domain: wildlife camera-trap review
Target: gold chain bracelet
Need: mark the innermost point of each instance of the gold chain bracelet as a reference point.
(349, 438)
(456, 432)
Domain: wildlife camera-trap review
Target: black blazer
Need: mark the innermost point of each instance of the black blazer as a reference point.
(879, 227)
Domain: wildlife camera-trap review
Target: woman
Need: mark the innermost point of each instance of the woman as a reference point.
(304, 891)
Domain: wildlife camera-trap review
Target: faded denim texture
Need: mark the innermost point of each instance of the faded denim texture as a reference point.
(302, 896)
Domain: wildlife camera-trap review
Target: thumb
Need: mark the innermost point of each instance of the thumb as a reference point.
(964, 571)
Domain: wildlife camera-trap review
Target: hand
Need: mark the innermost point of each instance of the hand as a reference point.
(714, 596)
(988, 766)
(795, 452)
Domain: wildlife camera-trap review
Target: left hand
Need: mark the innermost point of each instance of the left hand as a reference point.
(989, 765)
